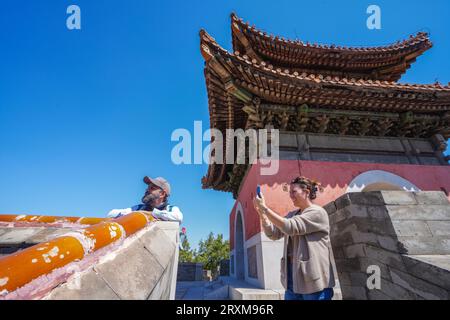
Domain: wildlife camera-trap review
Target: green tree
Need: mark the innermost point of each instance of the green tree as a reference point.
(186, 253)
(211, 251)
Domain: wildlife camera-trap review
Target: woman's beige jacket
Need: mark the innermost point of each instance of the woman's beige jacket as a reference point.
(309, 230)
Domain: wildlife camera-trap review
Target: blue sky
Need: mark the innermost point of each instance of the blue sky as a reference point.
(85, 114)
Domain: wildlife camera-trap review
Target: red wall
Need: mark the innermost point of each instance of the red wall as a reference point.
(334, 176)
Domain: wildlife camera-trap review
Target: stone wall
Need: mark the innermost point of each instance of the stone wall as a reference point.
(405, 234)
(189, 271)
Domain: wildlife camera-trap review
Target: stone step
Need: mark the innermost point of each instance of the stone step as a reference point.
(218, 293)
(214, 284)
(241, 290)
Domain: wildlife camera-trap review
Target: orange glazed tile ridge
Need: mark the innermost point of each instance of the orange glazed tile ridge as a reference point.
(49, 219)
(20, 268)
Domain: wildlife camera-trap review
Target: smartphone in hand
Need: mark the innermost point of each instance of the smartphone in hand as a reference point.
(258, 191)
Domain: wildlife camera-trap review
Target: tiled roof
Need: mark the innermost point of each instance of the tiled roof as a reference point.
(210, 49)
(382, 62)
(235, 80)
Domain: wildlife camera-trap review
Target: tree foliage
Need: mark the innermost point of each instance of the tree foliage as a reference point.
(186, 253)
(210, 251)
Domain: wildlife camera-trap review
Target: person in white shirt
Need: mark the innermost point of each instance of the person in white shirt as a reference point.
(155, 200)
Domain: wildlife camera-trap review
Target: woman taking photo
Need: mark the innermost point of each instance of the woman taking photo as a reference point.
(306, 270)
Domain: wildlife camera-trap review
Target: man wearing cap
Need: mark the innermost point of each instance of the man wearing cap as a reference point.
(154, 200)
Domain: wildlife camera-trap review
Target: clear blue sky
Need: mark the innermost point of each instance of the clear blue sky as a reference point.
(84, 115)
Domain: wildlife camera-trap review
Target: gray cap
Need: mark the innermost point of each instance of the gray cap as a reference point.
(159, 182)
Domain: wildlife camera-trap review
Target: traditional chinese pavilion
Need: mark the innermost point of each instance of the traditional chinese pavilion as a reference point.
(343, 117)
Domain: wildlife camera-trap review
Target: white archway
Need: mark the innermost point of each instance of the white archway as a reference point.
(376, 180)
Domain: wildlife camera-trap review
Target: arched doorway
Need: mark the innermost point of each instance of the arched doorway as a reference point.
(377, 180)
(239, 247)
(378, 186)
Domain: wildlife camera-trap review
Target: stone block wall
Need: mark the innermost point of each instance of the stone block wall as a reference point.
(189, 271)
(405, 234)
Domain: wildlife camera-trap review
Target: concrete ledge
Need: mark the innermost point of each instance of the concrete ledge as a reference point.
(241, 290)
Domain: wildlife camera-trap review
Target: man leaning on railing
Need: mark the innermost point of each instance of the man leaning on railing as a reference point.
(155, 200)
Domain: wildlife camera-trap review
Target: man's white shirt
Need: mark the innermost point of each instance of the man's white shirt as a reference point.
(170, 213)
